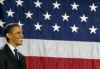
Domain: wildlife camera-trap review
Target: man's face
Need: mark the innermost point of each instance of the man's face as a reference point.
(16, 36)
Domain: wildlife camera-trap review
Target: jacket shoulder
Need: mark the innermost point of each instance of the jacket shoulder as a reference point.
(1, 50)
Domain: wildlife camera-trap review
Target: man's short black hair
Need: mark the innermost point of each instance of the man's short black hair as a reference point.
(9, 29)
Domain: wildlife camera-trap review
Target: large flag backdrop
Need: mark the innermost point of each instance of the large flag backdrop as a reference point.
(58, 34)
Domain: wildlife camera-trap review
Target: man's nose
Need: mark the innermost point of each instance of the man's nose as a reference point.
(21, 35)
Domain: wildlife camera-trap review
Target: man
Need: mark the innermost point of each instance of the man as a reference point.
(10, 58)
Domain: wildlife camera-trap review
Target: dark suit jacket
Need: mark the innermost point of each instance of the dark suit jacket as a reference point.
(8, 60)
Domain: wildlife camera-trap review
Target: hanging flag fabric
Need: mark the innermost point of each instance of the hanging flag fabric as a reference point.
(58, 34)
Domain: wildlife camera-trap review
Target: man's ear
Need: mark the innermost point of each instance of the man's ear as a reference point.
(8, 35)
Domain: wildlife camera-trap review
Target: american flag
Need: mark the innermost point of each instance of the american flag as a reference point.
(61, 20)
(53, 19)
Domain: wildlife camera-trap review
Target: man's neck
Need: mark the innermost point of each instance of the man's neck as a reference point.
(12, 44)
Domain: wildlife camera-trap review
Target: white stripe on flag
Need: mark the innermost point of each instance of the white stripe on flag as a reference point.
(54, 48)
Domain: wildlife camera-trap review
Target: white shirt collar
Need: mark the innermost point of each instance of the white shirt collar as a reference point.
(11, 48)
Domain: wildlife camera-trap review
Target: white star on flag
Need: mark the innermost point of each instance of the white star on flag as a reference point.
(83, 18)
(65, 17)
(20, 24)
(29, 14)
(38, 26)
(56, 28)
(2, 2)
(38, 4)
(47, 16)
(10, 13)
(74, 6)
(93, 30)
(74, 28)
(93, 7)
(56, 5)
(1, 23)
(19, 2)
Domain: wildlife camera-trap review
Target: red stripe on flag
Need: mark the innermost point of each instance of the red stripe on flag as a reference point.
(61, 63)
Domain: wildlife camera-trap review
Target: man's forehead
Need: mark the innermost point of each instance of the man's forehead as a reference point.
(16, 29)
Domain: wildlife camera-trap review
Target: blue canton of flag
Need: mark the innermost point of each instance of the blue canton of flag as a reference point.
(53, 19)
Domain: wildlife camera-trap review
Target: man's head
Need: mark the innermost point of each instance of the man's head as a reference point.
(14, 34)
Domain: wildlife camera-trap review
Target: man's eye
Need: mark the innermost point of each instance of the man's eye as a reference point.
(19, 32)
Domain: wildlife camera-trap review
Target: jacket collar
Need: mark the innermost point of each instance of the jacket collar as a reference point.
(9, 53)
